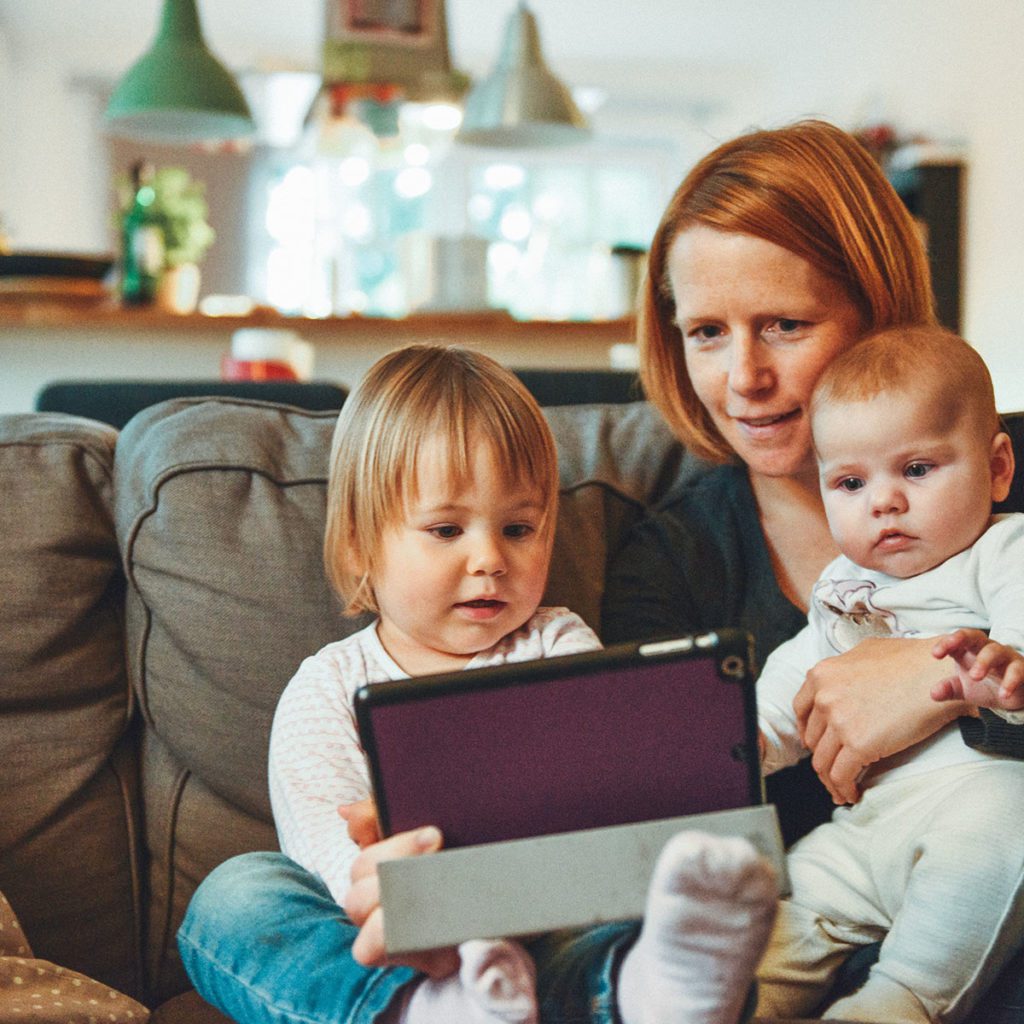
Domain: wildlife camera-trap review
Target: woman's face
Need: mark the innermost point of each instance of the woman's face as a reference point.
(759, 324)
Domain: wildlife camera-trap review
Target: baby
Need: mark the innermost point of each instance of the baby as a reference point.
(911, 456)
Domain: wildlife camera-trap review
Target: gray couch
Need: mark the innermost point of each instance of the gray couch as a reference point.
(159, 588)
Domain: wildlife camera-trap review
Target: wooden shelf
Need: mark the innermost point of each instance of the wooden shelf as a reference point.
(43, 340)
(74, 314)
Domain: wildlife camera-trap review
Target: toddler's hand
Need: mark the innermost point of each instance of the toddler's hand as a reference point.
(363, 825)
(362, 904)
(988, 674)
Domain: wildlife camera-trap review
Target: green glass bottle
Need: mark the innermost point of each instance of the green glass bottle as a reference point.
(142, 242)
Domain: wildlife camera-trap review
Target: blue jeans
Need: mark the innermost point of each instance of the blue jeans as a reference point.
(264, 942)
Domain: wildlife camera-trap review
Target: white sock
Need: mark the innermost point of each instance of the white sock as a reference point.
(710, 908)
(496, 984)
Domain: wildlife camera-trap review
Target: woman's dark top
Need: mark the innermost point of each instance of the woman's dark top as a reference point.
(701, 562)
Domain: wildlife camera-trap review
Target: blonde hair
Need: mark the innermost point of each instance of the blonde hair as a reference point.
(409, 397)
(927, 362)
(812, 189)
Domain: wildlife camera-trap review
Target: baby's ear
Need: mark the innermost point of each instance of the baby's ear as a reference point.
(1001, 465)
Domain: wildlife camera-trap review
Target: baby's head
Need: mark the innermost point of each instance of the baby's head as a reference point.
(443, 493)
(910, 449)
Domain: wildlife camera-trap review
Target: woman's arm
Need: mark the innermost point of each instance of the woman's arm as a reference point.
(871, 702)
(993, 735)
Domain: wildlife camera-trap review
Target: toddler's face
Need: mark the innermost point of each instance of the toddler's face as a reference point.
(903, 489)
(463, 567)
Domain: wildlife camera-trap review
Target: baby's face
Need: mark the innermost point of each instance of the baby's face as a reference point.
(903, 489)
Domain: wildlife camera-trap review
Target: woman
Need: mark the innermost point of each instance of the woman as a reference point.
(779, 251)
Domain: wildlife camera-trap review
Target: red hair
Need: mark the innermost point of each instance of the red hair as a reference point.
(812, 189)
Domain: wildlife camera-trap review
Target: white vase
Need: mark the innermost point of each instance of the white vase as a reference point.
(178, 290)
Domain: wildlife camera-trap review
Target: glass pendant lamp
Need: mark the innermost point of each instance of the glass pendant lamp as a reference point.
(521, 102)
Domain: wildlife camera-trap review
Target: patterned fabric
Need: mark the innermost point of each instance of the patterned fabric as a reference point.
(316, 761)
(38, 991)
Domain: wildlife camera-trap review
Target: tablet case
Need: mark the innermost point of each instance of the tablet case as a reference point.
(527, 886)
(634, 733)
(557, 783)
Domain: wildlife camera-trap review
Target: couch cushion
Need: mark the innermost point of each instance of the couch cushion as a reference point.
(66, 769)
(220, 511)
(220, 515)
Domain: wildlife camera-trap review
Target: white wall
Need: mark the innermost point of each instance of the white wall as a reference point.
(950, 69)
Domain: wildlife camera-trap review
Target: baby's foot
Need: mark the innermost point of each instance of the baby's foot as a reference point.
(496, 984)
(710, 908)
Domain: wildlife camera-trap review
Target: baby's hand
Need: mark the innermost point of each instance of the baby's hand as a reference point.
(988, 674)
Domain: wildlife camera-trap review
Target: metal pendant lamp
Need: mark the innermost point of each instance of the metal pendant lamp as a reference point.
(521, 102)
(178, 91)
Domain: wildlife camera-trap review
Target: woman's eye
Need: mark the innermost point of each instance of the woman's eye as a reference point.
(704, 333)
(446, 532)
(916, 470)
(785, 325)
(850, 484)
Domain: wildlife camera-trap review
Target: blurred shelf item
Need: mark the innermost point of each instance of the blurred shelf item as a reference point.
(54, 265)
(70, 289)
(54, 277)
(46, 339)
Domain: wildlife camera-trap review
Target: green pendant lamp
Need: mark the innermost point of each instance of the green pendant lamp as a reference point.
(178, 91)
(521, 103)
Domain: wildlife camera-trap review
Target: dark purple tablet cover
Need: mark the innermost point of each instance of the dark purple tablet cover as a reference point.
(608, 738)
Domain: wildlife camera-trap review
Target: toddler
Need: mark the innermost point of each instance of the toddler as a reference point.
(442, 502)
(911, 456)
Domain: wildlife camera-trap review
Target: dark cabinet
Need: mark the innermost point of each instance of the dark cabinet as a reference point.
(933, 192)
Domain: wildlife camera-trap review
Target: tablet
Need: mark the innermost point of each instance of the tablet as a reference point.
(636, 732)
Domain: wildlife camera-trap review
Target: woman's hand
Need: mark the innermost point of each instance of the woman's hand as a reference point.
(871, 702)
(362, 902)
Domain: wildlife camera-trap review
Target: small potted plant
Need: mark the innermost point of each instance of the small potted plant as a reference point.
(178, 206)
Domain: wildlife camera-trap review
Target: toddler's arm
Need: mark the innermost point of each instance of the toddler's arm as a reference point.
(559, 632)
(988, 674)
(316, 765)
